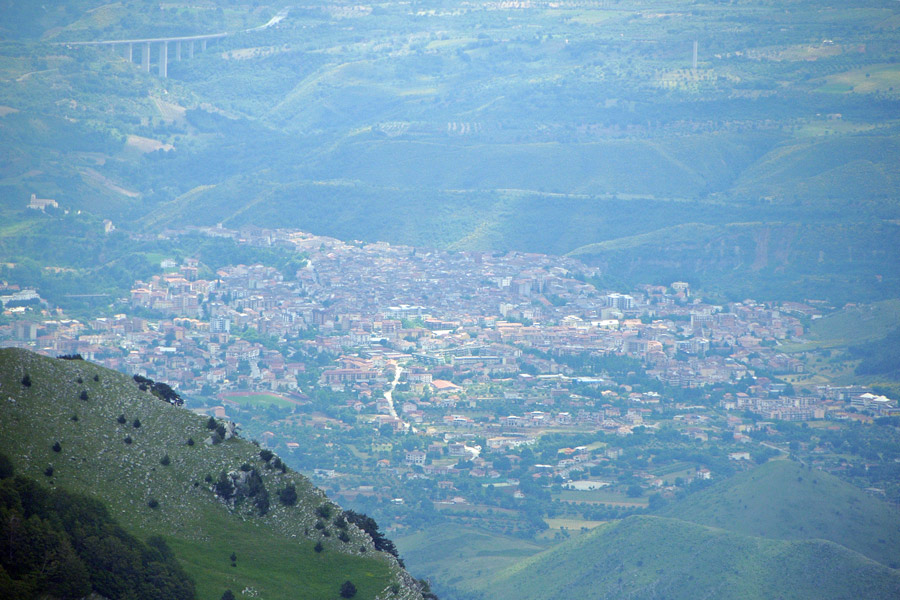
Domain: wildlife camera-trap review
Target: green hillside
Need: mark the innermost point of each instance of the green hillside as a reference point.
(785, 500)
(469, 126)
(789, 258)
(855, 325)
(87, 430)
(825, 171)
(781, 530)
(654, 557)
(461, 559)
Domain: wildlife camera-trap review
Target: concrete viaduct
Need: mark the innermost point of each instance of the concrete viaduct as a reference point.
(163, 43)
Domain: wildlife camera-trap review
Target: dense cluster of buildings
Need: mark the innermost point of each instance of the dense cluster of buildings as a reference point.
(479, 354)
(451, 319)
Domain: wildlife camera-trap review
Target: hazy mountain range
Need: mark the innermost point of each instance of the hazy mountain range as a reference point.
(768, 165)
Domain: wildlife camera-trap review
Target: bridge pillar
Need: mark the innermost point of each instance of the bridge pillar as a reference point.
(203, 45)
(191, 49)
(145, 56)
(164, 59)
(129, 53)
(178, 50)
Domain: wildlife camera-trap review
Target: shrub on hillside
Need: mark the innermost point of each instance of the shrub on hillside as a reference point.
(261, 501)
(224, 487)
(288, 496)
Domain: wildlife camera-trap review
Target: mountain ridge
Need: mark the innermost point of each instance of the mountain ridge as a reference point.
(108, 439)
(658, 557)
(783, 499)
(781, 529)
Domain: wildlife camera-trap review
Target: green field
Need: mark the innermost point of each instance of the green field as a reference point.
(866, 80)
(601, 496)
(670, 474)
(572, 524)
(258, 399)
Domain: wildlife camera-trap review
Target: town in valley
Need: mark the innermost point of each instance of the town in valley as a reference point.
(503, 389)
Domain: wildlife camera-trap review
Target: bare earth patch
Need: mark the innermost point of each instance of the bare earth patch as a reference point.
(144, 144)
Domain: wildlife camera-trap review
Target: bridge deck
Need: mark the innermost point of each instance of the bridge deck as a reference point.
(188, 38)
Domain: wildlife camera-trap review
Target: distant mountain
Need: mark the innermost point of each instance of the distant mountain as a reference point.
(791, 259)
(232, 519)
(786, 500)
(766, 170)
(781, 530)
(655, 558)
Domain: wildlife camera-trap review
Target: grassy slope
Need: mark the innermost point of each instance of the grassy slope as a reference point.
(856, 325)
(669, 167)
(784, 500)
(460, 557)
(822, 169)
(653, 557)
(786, 259)
(274, 555)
